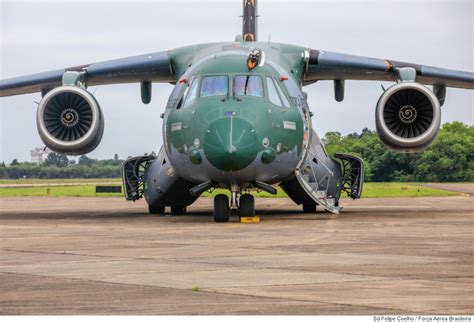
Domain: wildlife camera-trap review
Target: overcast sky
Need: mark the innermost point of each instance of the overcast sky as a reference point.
(44, 35)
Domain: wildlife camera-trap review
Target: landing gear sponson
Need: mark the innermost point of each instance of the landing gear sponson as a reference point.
(152, 177)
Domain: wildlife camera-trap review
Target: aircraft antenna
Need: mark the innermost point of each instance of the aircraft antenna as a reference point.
(249, 24)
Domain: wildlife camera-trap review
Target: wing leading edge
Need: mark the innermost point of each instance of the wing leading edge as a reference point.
(157, 67)
(324, 65)
(154, 67)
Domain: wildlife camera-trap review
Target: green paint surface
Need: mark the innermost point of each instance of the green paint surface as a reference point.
(230, 144)
(232, 128)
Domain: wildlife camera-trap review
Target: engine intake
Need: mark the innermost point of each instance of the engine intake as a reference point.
(70, 121)
(408, 117)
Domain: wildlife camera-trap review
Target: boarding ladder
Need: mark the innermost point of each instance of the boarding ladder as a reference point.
(317, 188)
(304, 172)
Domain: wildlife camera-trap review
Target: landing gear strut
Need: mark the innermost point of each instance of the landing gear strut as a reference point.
(221, 208)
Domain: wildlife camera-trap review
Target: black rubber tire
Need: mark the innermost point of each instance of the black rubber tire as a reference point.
(156, 210)
(247, 206)
(178, 210)
(309, 209)
(221, 208)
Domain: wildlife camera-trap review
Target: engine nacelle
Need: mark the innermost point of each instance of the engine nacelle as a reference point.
(70, 121)
(408, 117)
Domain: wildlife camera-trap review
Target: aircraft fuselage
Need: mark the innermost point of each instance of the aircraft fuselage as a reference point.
(232, 125)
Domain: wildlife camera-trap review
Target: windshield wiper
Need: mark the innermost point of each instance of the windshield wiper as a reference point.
(246, 84)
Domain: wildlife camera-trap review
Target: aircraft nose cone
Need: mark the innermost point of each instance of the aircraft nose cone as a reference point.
(230, 144)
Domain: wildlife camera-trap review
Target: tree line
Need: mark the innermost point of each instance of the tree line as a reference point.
(59, 166)
(449, 159)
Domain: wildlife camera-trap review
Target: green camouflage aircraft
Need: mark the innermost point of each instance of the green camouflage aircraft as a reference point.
(238, 119)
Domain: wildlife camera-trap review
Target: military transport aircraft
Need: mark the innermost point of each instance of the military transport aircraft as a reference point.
(238, 119)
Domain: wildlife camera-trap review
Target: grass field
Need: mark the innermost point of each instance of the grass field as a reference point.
(371, 190)
(57, 191)
(46, 181)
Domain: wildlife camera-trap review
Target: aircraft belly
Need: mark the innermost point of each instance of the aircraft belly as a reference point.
(283, 166)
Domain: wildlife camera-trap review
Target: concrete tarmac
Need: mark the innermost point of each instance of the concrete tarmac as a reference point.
(108, 256)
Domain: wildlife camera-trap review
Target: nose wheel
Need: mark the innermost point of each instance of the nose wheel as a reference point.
(221, 208)
(247, 206)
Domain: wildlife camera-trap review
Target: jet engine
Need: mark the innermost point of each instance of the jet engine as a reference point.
(70, 121)
(408, 117)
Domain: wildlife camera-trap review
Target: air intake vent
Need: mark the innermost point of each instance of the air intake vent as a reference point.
(68, 116)
(70, 120)
(408, 117)
(408, 113)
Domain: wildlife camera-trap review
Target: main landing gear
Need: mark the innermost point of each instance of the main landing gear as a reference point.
(222, 208)
(160, 210)
(156, 210)
(309, 209)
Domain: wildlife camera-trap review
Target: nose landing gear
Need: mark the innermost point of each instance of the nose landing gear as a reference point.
(222, 208)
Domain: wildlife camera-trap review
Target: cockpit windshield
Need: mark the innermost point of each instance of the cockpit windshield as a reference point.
(248, 86)
(214, 86)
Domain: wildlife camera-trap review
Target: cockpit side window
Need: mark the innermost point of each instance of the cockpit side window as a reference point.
(285, 101)
(175, 98)
(214, 86)
(248, 86)
(272, 92)
(296, 95)
(191, 94)
(183, 96)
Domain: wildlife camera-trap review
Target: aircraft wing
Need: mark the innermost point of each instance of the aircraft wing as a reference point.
(325, 65)
(154, 67)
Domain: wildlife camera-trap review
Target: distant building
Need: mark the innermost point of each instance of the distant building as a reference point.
(39, 155)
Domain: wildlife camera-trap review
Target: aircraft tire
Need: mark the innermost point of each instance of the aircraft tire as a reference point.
(309, 209)
(221, 208)
(247, 206)
(156, 210)
(178, 210)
